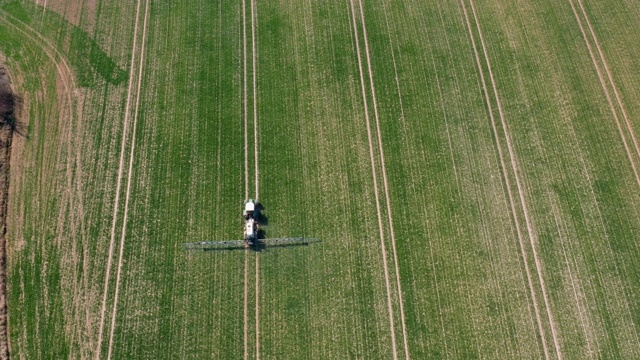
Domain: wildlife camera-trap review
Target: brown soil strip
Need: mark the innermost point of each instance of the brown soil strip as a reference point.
(505, 177)
(125, 131)
(62, 67)
(375, 184)
(129, 176)
(9, 104)
(385, 181)
(67, 102)
(607, 94)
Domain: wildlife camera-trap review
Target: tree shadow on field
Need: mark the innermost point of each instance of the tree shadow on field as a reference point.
(87, 58)
(91, 62)
(10, 105)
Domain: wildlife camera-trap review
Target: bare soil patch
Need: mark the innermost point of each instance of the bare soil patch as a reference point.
(9, 124)
(9, 105)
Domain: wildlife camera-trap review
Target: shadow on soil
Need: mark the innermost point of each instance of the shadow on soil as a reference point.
(9, 105)
(9, 125)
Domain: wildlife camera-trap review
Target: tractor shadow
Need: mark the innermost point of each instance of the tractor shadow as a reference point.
(260, 216)
(225, 249)
(281, 246)
(260, 247)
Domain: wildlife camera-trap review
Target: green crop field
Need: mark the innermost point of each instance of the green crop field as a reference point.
(472, 168)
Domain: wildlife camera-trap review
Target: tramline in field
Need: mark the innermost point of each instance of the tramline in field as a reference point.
(253, 235)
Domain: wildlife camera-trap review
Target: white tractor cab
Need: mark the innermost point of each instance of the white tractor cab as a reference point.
(249, 211)
(250, 214)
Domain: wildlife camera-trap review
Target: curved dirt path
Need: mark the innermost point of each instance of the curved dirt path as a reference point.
(68, 118)
(62, 66)
(64, 73)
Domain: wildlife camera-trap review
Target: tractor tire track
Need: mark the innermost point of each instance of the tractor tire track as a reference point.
(44, 7)
(375, 183)
(129, 176)
(505, 175)
(523, 203)
(245, 94)
(244, 99)
(581, 311)
(256, 168)
(384, 177)
(255, 97)
(257, 266)
(608, 96)
(246, 175)
(610, 77)
(125, 131)
(246, 306)
(525, 211)
(62, 67)
(606, 90)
